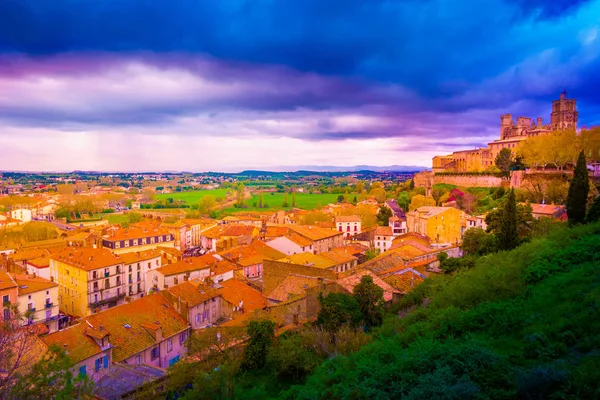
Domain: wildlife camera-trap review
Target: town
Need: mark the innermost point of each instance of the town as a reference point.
(121, 272)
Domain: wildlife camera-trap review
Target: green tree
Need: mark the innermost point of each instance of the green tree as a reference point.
(134, 217)
(261, 333)
(578, 192)
(403, 200)
(294, 198)
(504, 160)
(411, 185)
(206, 204)
(39, 230)
(239, 195)
(340, 198)
(372, 253)
(338, 309)
(593, 214)
(508, 226)
(476, 241)
(384, 215)
(370, 299)
(285, 203)
(292, 357)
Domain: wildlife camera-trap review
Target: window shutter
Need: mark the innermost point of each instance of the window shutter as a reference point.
(105, 361)
(82, 370)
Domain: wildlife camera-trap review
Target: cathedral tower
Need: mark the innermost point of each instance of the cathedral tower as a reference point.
(564, 113)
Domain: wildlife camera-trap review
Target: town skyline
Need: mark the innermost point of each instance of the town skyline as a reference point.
(228, 87)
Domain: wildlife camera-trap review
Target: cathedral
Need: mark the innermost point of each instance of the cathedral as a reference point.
(564, 116)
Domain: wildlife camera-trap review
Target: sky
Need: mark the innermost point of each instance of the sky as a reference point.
(205, 85)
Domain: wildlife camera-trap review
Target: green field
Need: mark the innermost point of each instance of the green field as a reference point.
(116, 218)
(275, 201)
(193, 197)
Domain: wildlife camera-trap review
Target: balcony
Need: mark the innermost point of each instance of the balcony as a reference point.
(49, 305)
(52, 318)
(105, 301)
(106, 274)
(31, 310)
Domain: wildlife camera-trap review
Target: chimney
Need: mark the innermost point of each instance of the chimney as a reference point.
(101, 328)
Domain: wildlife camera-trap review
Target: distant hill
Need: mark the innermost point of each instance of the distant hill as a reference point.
(355, 168)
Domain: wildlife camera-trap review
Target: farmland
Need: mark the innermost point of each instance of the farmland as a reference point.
(194, 196)
(274, 201)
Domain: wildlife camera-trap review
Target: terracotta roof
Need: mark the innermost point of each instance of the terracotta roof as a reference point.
(299, 240)
(253, 254)
(314, 232)
(339, 256)
(124, 323)
(28, 284)
(40, 262)
(349, 282)
(222, 267)
(293, 285)
(405, 281)
(170, 250)
(45, 243)
(354, 248)
(276, 231)
(137, 256)
(135, 233)
(22, 255)
(193, 292)
(87, 259)
(6, 281)
(546, 209)
(310, 259)
(74, 340)
(188, 265)
(383, 231)
(229, 230)
(234, 291)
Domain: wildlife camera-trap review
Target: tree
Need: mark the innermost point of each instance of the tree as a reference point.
(340, 198)
(411, 186)
(507, 230)
(403, 200)
(39, 230)
(239, 196)
(593, 214)
(206, 204)
(370, 300)
(294, 198)
(292, 357)
(262, 333)
(285, 203)
(372, 253)
(384, 215)
(378, 193)
(504, 160)
(578, 192)
(478, 242)
(338, 309)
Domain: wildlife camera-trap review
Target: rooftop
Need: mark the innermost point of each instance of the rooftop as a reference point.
(193, 292)
(351, 281)
(189, 264)
(310, 259)
(233, 291)
(6, 281)
(30, 284)
(314, 232)
(137, 256)
(135, 233)
(292, 286)
(87, 258)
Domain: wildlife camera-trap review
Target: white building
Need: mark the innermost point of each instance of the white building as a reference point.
(22, 214)
(349, 225)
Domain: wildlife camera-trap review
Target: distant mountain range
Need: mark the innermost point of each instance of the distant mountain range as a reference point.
(355, 168)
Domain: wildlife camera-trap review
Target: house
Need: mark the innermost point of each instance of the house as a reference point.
(441, 224)
(38, 301)
(293, 286)
(195, 227)
(90, 280)
(179, 231)
(8, 294)
(22, 214)
(173, 274)
(136, 267)
(398, 225)
(239, 299)
(350, 225)
(39, 266)
(405, 280)
(342, 257)
(250, 258)
(383, 237)
(198, 303)
(148, 331)
(549, 211)
(291, 243)
(475, 222)
(397, 211)
(120, 240)
(223, 237)
(82, 239)
(222, 271)
(323, 239)
(349, 282)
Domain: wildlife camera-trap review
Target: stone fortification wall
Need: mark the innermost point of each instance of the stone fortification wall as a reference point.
(428, 179)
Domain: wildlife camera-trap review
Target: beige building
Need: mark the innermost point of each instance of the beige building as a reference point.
(38, 300)
(136, 266)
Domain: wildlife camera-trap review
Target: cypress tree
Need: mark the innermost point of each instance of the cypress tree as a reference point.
(593, 214)
(578, 192)
(508, 229)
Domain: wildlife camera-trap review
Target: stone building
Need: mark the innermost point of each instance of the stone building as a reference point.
(564, 115)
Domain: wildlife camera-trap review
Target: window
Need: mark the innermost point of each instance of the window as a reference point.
(5, 299)
(197, 318)
(117, 245)
(130, 269)
(155, 353)
(182, 338)
(138, 360)
(82, 371)
(169, 345)
(94, 275)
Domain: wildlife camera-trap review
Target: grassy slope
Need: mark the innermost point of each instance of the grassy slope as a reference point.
(522, 324)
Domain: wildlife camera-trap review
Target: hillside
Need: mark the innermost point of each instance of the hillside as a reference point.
(520, 324)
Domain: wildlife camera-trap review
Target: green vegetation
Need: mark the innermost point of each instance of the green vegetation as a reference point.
(117, 218)
(519, 324)
(193, 197)
(578, 192)
(274, 201)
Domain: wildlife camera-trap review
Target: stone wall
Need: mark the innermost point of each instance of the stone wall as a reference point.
(428, 179)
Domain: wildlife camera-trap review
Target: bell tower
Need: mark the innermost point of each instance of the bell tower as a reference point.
(564, 113)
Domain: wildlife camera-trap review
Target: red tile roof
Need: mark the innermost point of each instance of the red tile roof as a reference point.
(87, 259)
(194, 292)
(234, 291)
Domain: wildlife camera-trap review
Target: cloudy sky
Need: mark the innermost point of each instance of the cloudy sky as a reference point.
(228, 85)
